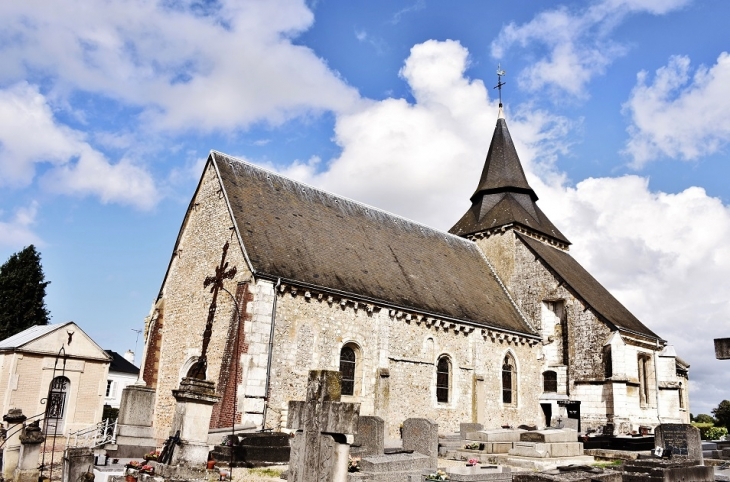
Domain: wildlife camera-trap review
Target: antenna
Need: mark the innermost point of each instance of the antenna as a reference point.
(136, 339)
(500, 74)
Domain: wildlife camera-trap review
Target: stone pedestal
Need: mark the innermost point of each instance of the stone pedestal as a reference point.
(135, 435)
(195, 399)
(11, 451)
(31, 439)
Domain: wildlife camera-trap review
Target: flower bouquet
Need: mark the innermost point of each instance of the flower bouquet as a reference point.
(473, 446)
(353, 464)
(147, 469)
(472, 462)
(438, 475)
(154, 455)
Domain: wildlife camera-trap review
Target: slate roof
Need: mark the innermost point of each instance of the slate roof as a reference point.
(300, 233)
(121, 364)
(28, 335)
(503, 195)
(587, 288)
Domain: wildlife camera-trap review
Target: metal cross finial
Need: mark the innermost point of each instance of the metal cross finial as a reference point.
(499, 85)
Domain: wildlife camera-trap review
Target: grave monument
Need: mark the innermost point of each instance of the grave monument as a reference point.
(325, 427)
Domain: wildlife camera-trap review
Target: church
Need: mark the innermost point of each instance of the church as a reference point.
(492, 322)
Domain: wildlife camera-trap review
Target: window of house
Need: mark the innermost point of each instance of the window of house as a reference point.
(348, 362)
(443, 367)
(550, 381)
(681, 395)
(509, 379)
(109, 388)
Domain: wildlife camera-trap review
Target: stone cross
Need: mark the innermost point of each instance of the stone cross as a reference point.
(221, 273)
(320, 447)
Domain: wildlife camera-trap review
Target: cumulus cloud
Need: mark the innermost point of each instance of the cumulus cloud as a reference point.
(664, 255)
(423, 159)
(30, 135)
(677, 115)
(577, 42)
(18, 230)
(185, 65)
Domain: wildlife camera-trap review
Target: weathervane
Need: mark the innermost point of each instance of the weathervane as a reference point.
(499, 85)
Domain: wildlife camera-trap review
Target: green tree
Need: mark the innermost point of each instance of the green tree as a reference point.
(704, 418)
(722, 413)
(22, 293)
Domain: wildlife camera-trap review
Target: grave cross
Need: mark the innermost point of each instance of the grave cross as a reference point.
(319, 449)
(722, 348)
(221, 273)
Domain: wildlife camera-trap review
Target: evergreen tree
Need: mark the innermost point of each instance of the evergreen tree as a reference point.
(22, 293)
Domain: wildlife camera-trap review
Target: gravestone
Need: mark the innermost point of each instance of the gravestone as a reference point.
(467, 428)
(135, 435)
(370, 437)
(77, 461)
(319, 450)
(684, 440)
(422, 436)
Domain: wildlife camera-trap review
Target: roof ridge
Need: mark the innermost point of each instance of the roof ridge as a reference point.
(339, 196)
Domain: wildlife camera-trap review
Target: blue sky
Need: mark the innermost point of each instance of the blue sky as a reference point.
(620, 110)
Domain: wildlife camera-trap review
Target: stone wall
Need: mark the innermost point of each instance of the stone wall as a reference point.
(616, 400)
(185, 302)
(396, 362)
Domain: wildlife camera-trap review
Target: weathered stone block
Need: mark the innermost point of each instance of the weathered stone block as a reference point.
(467, 428)
(549, 436)
(498, 435)
(422, 436)
(370, 436)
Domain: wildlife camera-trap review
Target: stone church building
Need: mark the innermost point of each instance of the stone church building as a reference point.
(492, 322)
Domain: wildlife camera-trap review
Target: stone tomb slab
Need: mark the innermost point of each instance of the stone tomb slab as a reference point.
(490, 473)
(683, 439)
(570, 474)
(467, 428)
(668, 470)
(549, 436)
(498, 435)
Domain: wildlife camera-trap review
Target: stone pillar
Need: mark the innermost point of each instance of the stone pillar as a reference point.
(195, 399)
(135, 435)
(11, 452)
(31, 439)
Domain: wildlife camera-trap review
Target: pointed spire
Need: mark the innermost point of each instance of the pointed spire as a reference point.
(503, 196)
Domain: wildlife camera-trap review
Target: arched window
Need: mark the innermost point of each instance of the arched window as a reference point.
(549, 381)
(56, 405)
(348, 362)
(443, 367)
(509, 379)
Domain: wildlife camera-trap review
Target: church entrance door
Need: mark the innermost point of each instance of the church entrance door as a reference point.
(56, 408)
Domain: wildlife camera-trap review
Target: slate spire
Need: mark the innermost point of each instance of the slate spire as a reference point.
(503, 195)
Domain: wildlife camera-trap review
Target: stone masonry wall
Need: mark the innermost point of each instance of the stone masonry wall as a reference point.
(531, 284)
(185, 309)
(396, 362)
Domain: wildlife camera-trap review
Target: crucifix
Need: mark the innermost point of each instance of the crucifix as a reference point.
(500, 74)
(221, 273)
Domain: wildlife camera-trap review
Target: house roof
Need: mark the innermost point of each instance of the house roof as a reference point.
(503, 195)
(587, 288)
(28, 335)
(121, 364)
(299, 233)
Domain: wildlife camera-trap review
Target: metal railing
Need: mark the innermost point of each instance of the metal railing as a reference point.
(99, 434)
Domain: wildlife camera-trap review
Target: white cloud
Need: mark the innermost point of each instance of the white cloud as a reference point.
(677, 116)
(664, 255)
(18, 231)
(227, 67)
(417, 158)
(29, 135)
(578, 43)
